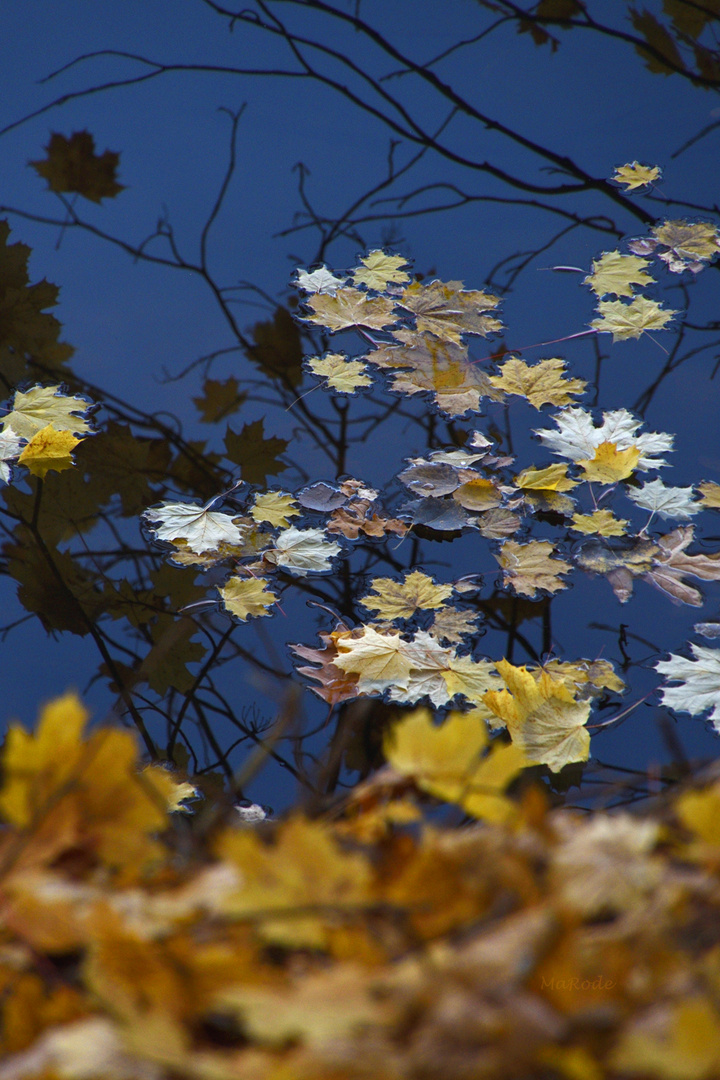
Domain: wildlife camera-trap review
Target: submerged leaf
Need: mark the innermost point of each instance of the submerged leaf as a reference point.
(529, 567)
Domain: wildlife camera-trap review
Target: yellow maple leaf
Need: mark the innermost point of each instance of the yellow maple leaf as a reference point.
(277, 507)
(690, 244)
(634, 175)
(396, 600)
(377, 269)
(49, 449)
(583, 674)
(609, 465)
(341, 374)
(542, 716)
(379, 660)
(529, 567)
(541, 383)
(616, 273)
(631, 320)
(247, 597)
(478, 494)
(42, 405)
(448, 311)
(602, 522)
(450, 761)
(551, 478)
(350, 307)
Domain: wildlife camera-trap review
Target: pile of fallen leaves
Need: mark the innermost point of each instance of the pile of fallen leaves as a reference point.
(426, 926)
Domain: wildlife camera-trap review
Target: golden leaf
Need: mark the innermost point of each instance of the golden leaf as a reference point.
(710, 494)
(448, 311)
(634, 175)
(542, 716)
(350, 307)
(529, 567)
(247, 597)
(395, 600)
(41, 407)
(616, 273)
(277, 507)
(341, 374)
(379, 660)
(49, 449)
(690, 244)
(680, 1041)
(377, 269)
(602, 522)
(551, 478)
(609, 465)
(541, 383)
(631, 320)
(479, 494)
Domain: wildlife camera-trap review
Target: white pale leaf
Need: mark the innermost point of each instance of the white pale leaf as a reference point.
(9, 448)
(304, 550)
(577, 437)
(319, 281)
(699, 679)
(201, 529)
(668, 502)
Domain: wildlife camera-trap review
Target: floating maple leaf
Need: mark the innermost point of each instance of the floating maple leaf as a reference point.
(49, 449)
(73, 165)
(395, 600)
(340, 373)
(448, 311)
(10, 444)
(42, 405)
(247, 597)
(529, 567)
(690, 246)
(608, 465)
(377, 270)
(544, 383)
(634, 175)
(302, 551)
(275, 507)
(631, 320)
(542, 716)
(378, 660)
(700, 682)
(350, 307)
(577, 437)
(602, 522)
(710, 494)
(321, 280)
(551, 478)
(616, 273)
(201, 528)
(669, 502)
(671, 565)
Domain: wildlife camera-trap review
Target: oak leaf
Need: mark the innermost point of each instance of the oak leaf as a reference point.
(543, 383)
(72, 165)
(49, 449)
(631, 320)
(247, 597)
(542, 716)
(529, 567)
(395, 600)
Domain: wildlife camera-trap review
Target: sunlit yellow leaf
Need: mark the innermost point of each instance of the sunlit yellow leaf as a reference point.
(350, 307)
(247, 597)
(616, 273)
(448, 311)
(609, 465)
(529, 567)
(551, 478)
(479, 494)
(542, 716)
(42, 406)
(710, 494)
(602, 522)
(341, 374)
(49, 449)
(634, 175)
(276, 507)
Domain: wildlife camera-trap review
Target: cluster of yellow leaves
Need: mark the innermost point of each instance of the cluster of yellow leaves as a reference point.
(45, 421)
(350, 946)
